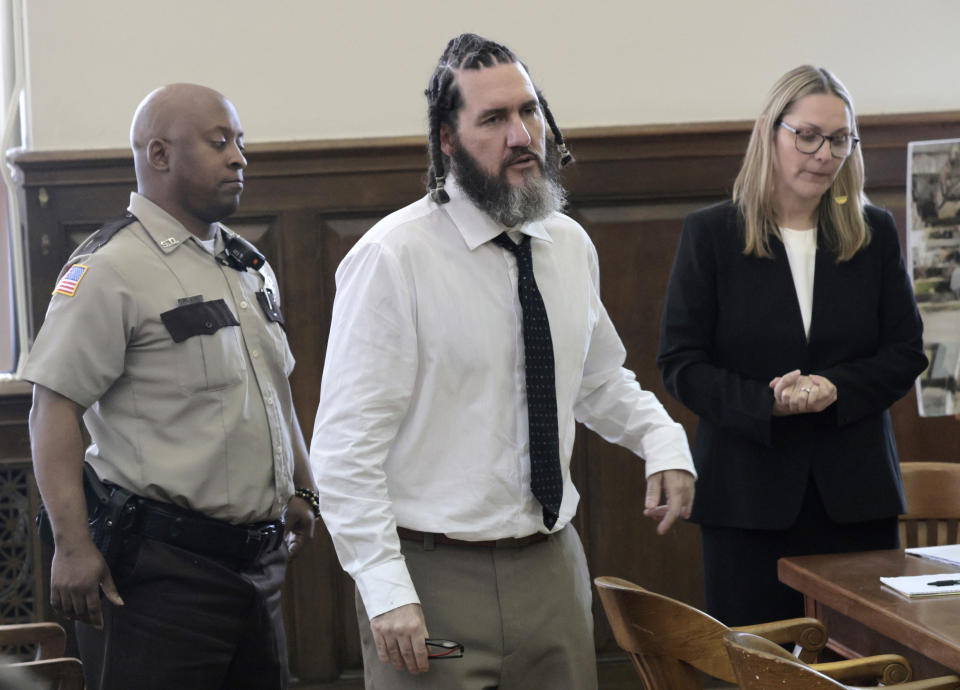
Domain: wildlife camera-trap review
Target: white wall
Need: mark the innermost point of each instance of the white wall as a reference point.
(318, 69)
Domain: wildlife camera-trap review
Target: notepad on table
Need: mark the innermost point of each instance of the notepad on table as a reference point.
(949, 553)
(924, 585)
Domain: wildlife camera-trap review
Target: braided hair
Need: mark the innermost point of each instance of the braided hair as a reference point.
(467, 51)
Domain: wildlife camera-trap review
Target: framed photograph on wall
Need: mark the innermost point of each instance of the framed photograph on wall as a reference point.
(933, 255)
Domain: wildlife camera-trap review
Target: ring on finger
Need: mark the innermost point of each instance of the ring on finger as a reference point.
(806, 390)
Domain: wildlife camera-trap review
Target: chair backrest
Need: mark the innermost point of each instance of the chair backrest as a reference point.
(760, 664)
(65, 672)
(49, 663)
(932, 491)
(49, 637)
(666, 639)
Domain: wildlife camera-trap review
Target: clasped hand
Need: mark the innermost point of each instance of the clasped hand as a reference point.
(796, 393)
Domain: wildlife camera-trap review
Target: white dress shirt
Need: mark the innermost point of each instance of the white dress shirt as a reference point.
(422, 420)
(801, 246)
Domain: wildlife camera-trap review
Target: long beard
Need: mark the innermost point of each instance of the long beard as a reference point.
(508, 204)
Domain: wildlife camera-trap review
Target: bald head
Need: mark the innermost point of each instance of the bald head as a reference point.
(188, 152)
(160, 113)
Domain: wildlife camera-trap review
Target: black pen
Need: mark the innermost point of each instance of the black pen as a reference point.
(944, 583)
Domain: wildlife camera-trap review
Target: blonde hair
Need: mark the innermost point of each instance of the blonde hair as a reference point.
(843, 228)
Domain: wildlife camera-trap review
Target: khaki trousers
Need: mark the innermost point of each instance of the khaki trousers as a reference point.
(522, 614)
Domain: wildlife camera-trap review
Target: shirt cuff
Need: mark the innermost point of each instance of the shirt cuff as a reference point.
(386, 587)
(667, 449)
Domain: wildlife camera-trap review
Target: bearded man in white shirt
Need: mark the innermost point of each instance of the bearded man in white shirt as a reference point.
(443, 438)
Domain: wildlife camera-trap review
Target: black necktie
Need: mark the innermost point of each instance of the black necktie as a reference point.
(546, 480)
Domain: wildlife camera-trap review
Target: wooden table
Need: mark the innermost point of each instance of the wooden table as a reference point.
(863, 618)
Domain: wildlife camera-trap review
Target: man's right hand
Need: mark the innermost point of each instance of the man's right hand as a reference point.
(400, 636)
(78, 570)
(77, 573)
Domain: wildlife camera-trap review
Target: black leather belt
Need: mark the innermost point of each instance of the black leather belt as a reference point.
(429, 539)
(187, 529)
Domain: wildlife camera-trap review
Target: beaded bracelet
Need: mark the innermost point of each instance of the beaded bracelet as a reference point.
(311, 497)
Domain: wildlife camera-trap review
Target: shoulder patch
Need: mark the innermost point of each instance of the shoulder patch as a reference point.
(70, 280)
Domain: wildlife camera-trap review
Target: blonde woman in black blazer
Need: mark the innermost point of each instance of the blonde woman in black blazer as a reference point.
(790, 327)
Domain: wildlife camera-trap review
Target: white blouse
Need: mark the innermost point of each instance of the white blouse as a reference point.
(801, 246)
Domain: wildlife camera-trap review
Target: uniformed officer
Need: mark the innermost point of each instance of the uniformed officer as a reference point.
(165, 334)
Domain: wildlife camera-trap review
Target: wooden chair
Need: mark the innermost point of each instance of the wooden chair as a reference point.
(49, 663)
(761, 665)
(932, 490)
(669, 641)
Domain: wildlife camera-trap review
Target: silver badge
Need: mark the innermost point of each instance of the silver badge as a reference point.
(169, 242)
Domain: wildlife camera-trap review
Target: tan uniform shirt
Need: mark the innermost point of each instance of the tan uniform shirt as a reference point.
(203, 423)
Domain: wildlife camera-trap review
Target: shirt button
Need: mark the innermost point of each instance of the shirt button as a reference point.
(277, 449)
(209, 324)
(243, 305)
(255, 353)
(268, 400)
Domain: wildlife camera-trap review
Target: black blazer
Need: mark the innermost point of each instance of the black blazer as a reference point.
(732, 322)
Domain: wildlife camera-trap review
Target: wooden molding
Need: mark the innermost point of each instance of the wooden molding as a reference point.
(591, 146)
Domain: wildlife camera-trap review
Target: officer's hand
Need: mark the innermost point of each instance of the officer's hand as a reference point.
(299, 522)
(400, 636)
(677, 486)
(77, 573)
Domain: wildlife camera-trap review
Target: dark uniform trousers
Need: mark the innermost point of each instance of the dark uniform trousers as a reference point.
(188, 622)
(523, 615)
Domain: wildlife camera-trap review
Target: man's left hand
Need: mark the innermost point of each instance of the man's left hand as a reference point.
(677, 487)
(299, 523)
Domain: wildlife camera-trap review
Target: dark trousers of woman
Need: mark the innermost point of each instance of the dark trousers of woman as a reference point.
(740, 565)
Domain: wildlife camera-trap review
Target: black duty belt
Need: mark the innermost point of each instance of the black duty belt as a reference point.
(206, 536)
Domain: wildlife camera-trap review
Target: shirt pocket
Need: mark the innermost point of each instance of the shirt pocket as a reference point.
(208, 334)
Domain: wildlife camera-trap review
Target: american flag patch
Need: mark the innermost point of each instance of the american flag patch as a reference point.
(71, 279)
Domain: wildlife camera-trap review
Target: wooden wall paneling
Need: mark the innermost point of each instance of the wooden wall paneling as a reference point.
(306, 289)
(14, 434)
(635, 250)
(631, 188)
(63, 195)
(312, 627)
(318, 595)
(41, 249)
(339, 236)
(654, 164)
